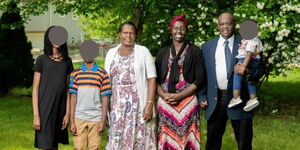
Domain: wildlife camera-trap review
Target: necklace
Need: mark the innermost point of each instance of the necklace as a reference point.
(56, 57)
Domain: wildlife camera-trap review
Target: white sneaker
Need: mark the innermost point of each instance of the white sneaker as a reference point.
(234, 102)
(251, 104)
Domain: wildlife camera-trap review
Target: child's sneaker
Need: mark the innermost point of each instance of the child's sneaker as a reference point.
(234, 102)
(251, 104)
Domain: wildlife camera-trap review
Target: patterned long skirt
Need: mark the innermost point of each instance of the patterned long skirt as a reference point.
(128, 130)
(179, 125)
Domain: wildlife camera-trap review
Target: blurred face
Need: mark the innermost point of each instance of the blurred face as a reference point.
(127, 35)
(178, 31)
(226, 25)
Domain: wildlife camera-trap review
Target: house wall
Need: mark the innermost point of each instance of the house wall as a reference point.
(37, 26)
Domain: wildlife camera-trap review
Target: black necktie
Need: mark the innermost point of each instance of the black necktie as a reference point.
(227, 57)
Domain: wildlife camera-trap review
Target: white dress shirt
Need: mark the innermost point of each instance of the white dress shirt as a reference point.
(220, 61)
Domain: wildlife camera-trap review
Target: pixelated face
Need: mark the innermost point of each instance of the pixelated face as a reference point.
(89, 51)
(248, 29)
(58, 35)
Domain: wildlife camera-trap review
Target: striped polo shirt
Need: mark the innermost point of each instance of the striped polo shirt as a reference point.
(89, 85)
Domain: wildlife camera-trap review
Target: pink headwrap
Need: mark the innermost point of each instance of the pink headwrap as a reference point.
(178, 18)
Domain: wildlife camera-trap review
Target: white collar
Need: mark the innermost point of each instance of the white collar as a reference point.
(230, 40)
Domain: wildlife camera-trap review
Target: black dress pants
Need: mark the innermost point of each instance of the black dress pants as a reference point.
(216, 126)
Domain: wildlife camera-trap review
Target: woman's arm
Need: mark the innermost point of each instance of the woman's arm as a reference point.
(160, 92)
(177, 97)
(35, 106)
(148, 111)
(68, 97)
(164, 95)
(198, 82)
(151, 90)
(67, 115)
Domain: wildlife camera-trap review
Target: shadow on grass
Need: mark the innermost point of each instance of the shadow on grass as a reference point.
(279, 98)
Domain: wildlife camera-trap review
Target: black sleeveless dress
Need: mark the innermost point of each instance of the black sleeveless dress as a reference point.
(52, 97)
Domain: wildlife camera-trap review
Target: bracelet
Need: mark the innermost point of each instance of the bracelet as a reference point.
(149, 101)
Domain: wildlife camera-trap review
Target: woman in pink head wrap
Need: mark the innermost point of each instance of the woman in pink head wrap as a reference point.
(180, 74)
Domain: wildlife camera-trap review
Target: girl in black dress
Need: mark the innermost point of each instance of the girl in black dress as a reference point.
(50, 100)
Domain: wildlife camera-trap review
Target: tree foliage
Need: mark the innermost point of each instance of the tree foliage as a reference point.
(15, 58)
(278, 21)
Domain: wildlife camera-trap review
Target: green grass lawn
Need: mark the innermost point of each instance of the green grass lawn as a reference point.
(276, 124)
(270, 133)
(280, 95)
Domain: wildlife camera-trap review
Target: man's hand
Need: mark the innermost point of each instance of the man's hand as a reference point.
(203, 104)
(240, 69)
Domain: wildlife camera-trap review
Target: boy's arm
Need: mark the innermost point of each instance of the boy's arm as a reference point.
(104, 100)
(73, 102)
(102, 123)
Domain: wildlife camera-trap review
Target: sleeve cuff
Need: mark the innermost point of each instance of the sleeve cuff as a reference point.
(202, 98)
(72, 92)
(151, 76)
(105, 94)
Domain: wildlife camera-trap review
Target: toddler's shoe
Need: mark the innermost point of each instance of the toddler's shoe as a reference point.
(234, 102)
(251, 104)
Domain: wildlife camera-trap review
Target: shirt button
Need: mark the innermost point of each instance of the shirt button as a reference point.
(216, 98)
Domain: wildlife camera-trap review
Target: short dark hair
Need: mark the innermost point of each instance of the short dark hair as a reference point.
(128, 23)
(48, 46)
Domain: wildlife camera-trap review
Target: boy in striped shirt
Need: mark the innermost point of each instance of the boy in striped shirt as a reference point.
(89, 88)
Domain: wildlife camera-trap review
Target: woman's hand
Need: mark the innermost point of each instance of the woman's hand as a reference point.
(36, 123)
(172, 98)
(65, 122)
(148, 112)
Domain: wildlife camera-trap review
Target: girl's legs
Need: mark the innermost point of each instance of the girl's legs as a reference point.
(237, 79)
(253, 102)
(236, 91)
(252, 90)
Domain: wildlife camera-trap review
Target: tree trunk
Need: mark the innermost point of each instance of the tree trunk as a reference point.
(138, 17)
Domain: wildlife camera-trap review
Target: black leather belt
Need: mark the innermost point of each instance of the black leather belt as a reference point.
(222, 94)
